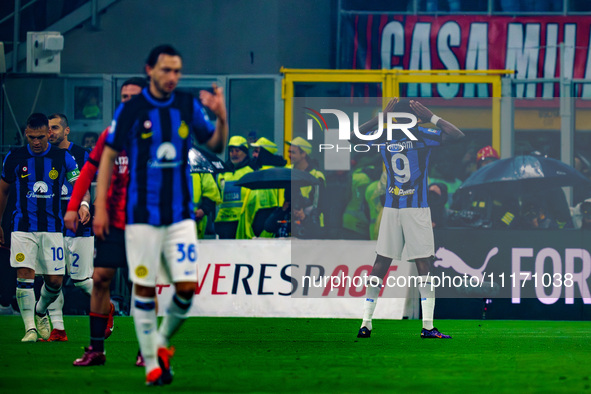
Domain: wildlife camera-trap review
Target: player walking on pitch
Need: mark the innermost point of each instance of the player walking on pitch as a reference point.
(110, 252)
(406, 219)
(38, 170)
(155, 131)
(78, 246)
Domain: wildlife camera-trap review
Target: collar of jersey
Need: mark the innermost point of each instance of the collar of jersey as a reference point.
(39, 154)
(156, 102)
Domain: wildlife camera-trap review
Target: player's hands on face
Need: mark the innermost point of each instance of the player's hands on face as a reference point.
(422, 112)
(215, 102)
(100, 224)
(391, 104)
(84, 214)
(71, 220)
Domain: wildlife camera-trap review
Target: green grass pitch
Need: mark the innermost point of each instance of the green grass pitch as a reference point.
(312, 355)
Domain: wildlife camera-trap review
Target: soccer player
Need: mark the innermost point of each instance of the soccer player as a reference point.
(38, 171)
(110, 252)
(406, 218)
(78, 246)
(154, 129)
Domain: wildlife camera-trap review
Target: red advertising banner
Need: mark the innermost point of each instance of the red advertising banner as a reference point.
(528, 45)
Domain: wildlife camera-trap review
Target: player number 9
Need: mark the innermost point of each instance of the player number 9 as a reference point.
(402, 175)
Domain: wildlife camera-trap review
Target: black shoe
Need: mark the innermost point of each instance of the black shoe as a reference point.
(364, 332)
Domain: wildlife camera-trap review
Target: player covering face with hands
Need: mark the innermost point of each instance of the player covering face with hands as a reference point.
(406, 219)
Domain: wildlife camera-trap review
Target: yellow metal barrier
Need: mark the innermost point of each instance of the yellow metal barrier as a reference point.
(390, 81)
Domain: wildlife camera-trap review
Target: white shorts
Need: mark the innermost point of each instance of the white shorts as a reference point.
(40, 251)
(146, 245)
(407, 229)
(79, 257)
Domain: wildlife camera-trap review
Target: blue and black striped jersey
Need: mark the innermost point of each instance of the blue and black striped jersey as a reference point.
(38, 180)
(157, 137)
(80, 155)
(407, 165)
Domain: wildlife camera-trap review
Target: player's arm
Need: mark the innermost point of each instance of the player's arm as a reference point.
(216, 102)
(373, 124)
(450, 131)
(100, 224)
(4, 190)
(79, 193)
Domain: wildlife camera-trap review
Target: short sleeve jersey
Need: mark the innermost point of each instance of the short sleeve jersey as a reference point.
(157, 137)
(38, 180)
(80, 155)
(407, 164)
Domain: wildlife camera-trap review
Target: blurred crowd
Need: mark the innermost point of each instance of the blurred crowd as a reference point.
(348, 204)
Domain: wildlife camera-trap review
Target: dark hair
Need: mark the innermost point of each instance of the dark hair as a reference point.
(159, 50)
(63, 119)
(137, 81)
(37, 121)
(403, 105)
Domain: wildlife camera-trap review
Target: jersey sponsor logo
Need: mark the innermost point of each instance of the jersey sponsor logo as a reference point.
(53, 174)
(24, 175)
(39, 190)
(165, 155)
(400, 192)
(432, 131)
(58, 268)
(147, 135)
(183, 130)
(64, 190)
(20, 257)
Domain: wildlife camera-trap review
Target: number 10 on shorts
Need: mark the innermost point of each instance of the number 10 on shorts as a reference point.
(58, 253)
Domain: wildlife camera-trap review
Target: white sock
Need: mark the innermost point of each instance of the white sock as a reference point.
(85, 285)
(175, 317)
(56, 314)
(144, 318)
(427, 301)
(48, 295)
(371, 299)
(25, 298)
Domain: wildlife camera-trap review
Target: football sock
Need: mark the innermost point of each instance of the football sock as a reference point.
(48, 295)
(374, 286)
(144, 318)
(427, 301)
(98, 325)
(175, 316)
(85, 285)
(25, 298)
(55, 312)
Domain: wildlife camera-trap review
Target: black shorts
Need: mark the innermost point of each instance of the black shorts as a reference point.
(110, 253)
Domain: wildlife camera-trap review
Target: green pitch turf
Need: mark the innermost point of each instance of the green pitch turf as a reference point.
(313, 355)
